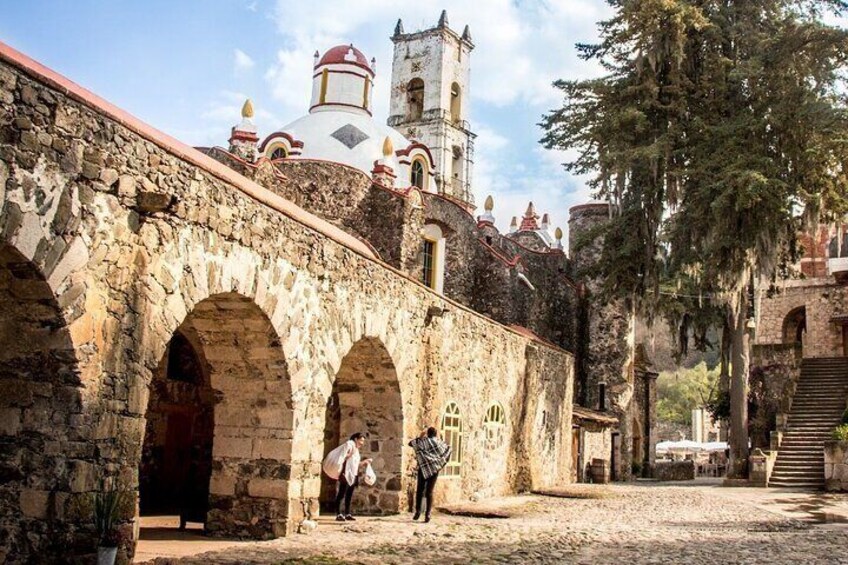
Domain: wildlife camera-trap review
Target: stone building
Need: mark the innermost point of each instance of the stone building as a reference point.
(199, 327)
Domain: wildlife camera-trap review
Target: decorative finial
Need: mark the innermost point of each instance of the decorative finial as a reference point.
(443, 19)
(513, 225)
(487, 215)
(247, 109)
(528, 222)
(558, 234)
(490, 204)
(388, 148)
(399, 28)
(374, 64)
(545, 221)
(466, 34)
(315, 58)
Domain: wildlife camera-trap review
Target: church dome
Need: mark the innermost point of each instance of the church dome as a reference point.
(345, 54)
(339, 126)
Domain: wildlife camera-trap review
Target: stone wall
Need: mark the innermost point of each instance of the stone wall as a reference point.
(822, 300)
(609, 335)
(674, 470)
(595, 443)
(130, 236)
(836, 465)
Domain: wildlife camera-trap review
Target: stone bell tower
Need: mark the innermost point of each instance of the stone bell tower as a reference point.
(429, 101)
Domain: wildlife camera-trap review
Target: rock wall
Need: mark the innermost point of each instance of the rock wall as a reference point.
(821, 299)
(115, 236)
(608, 334)
(836, 465)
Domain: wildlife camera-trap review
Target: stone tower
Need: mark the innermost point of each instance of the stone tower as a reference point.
(606, 356)
(429, 101)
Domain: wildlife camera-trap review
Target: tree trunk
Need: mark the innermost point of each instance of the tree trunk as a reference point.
(724, 371)
(739, 367)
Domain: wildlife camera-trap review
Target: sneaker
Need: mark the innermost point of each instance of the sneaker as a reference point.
(350, 518)
(340, 518)
(417, 515)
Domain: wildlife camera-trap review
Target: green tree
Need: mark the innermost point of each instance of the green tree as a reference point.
(680, 392)
(719, 127)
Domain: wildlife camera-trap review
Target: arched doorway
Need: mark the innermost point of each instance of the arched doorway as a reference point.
(39, 396)
(219, 422)
(176, 463)
(795, 326)
(366, 398)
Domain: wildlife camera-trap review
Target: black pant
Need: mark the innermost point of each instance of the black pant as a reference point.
(424, 488)
(345, 493)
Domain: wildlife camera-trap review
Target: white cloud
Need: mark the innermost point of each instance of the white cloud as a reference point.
(242, 61)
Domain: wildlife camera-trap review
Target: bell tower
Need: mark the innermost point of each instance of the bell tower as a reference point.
(429, 101)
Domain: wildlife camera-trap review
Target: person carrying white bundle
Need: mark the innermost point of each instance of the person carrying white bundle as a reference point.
(343, 464)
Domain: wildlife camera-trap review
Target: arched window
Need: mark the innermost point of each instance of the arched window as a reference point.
(415, 98)
(418, 174)
(433, 257)
(456, 102)
(452, 432)
(278, 152)
(494, 424)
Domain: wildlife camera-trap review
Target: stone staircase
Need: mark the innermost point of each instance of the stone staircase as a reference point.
(816, 409)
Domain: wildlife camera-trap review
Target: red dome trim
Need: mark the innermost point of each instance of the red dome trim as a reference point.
(336, 56)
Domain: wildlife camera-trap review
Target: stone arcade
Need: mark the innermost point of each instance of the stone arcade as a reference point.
(177, 322)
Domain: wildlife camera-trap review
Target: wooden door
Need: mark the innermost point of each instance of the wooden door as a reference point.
(575, 455)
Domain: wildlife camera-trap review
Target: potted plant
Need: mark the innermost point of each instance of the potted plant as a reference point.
(108, 505)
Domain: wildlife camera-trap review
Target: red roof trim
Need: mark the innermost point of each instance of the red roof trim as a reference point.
(278, 135)
(412, 147)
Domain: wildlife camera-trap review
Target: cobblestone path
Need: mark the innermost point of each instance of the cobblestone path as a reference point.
(631, 524)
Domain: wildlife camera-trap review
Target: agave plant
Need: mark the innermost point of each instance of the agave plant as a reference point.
(108, 503)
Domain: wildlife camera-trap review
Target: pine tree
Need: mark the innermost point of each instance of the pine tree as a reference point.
(718, 130)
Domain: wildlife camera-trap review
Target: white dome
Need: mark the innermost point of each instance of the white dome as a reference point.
(350, 138)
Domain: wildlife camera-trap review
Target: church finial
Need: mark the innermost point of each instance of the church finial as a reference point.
(513, 225)
(374, 64)
(528, 222)
(443, 19)
(487, 216)
(546, 222)
(247, 109)
(558, 238)
(466, 34)
(399, 28)
(388, 148)
(315, 58)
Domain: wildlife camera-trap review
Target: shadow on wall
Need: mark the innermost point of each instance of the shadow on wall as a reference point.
(40, 395)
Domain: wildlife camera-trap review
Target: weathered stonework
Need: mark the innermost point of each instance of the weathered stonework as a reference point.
(608, 359)
(822, 300)
(115, 238)
(836, 465)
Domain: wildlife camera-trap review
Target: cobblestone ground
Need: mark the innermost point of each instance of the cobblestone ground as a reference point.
(631, 524)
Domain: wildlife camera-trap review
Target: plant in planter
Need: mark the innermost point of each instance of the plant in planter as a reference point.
(108, 506)
(840, 433)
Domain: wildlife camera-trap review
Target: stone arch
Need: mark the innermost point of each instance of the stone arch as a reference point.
(415, 99)
(794, 326)
(240, 373)
(45, 462)
(366, 397)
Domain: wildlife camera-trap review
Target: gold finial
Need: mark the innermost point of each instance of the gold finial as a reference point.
(558, 233)
(388, 148)
(490, 203)
(247, 109)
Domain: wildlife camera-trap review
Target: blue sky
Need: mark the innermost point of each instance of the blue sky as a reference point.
(186, 66)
